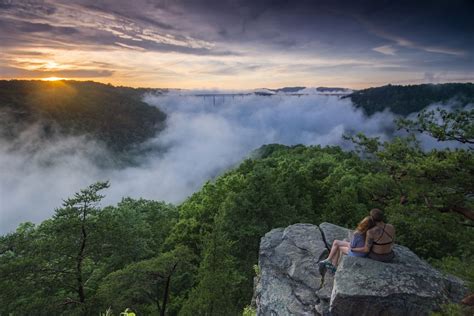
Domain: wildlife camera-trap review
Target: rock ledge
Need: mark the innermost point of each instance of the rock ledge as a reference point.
(291, 284)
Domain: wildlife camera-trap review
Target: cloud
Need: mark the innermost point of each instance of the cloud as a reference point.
(251, 40)
(444, 50)
(86, 24)
(37, 174)
(443, 30)
(130, 46)
(431, 49)
(204, 137)
(12, 72)
(28, 27)
(385, 49)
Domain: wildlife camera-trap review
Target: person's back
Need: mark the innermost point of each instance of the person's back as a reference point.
(381, 238)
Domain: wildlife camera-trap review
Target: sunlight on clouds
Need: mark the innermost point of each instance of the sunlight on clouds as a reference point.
(53, 79)
(44, 60)
(178, 45)
(251, 68)
(51, 65)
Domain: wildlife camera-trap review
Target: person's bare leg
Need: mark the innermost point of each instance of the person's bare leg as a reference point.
(335, 247)
(342, 249)
(345, 249)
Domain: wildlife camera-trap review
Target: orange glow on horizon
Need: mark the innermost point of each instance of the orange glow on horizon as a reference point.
(53, 79)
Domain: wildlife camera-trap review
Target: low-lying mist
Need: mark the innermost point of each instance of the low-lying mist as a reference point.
(204, 137)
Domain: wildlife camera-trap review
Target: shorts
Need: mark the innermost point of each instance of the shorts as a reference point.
(356, 254)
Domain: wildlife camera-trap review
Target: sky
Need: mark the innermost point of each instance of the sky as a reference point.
(238, 44)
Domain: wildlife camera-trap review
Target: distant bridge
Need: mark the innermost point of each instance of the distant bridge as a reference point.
(222, 96)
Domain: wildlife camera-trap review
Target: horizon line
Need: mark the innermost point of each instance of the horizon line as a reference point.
(399, 83)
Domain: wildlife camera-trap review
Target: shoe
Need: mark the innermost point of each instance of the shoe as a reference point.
(327, 266)
(328, 263)
(324, 262)
(322, 265)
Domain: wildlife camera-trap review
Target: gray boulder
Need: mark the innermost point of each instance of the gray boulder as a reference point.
(290, 282)
(406, 286)
(332, 232)
(289, 276)
(323, 305)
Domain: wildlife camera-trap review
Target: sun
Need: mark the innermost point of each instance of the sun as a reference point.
(53, 79)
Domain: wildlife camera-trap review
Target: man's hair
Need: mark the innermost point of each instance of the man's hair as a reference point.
(376, 214)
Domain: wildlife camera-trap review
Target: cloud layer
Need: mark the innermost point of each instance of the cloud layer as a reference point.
(204, 137)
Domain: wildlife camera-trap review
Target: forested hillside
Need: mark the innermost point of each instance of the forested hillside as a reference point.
(404, 100)
(116, 116)
(198, 258)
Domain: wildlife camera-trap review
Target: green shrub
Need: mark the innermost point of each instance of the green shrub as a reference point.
(249, 311)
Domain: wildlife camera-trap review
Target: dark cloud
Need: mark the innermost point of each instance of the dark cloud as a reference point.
(402, 18)
(29, 9)
(89, 24)
(25, 53)
(360, 25)
(127, 11)
(28, 27)
(34, 27)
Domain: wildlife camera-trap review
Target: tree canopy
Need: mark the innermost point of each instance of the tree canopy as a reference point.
(408, 99)
(114, 115)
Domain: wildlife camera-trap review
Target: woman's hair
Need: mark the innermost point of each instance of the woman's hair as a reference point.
(365, 224)
(376, 214)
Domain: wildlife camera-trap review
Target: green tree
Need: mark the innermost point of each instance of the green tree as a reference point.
(52, 262)
(219, 277)
(150, 286)
(444, 125)
(73, 228)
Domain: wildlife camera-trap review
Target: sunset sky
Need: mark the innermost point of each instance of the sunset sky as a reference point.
(238, 44)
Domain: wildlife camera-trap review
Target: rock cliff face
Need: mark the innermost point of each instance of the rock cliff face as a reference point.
(290, 282)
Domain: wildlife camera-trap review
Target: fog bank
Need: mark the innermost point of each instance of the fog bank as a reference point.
(204, 136)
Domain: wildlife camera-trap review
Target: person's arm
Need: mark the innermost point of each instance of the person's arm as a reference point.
(368, 244)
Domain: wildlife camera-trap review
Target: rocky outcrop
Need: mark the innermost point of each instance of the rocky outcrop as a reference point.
(289, 276)
(291, 284)
(407, 286)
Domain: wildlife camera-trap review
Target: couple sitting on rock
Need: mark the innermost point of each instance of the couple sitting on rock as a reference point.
(372, 238)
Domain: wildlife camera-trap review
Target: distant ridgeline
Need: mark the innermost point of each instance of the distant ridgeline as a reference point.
(118, 117)
(114, 115)
(404, 100)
